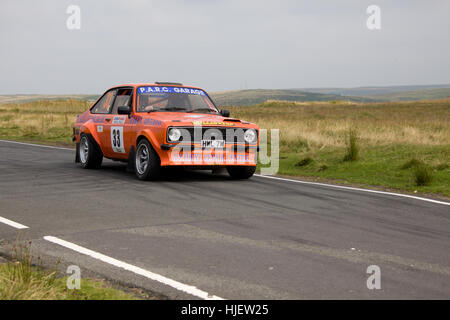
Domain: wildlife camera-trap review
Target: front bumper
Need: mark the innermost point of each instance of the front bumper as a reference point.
(191, 155)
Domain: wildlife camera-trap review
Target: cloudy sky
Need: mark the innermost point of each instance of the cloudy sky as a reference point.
(221, 45)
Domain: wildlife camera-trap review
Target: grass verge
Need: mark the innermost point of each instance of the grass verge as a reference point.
(381, 166)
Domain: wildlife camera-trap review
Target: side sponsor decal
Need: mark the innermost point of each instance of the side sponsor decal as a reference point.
(118, 120)
(94, 118)
(99, 128)
(146, 121)
(152, 122)
(135, 119)
(117, 139)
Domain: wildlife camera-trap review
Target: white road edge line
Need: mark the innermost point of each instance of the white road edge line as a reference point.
(153, 276)
(36, 145)
(284, 179)
(12, 223)
(355, 189)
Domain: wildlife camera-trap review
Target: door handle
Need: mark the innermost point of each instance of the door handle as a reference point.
(108, 119)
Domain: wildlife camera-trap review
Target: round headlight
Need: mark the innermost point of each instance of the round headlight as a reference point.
(250, 136)
(174, 134)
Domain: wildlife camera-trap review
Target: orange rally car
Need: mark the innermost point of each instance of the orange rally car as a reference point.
(163, 124)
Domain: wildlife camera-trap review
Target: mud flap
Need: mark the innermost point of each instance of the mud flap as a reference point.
(77, 153)
(131, 161)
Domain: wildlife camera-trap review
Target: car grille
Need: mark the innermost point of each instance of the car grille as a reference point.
(230, 135)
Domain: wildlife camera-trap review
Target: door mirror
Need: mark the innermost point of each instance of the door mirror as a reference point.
(225, 113)
(124, 110)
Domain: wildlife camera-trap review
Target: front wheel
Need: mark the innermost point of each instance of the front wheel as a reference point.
(89, 153)
(148, 165)
(241, 172)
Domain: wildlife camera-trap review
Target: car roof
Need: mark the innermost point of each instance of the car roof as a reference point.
(134, 85)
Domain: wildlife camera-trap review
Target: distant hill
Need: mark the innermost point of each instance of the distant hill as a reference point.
(425, 94)
(373, 91)
(255, 96)
(390, 93)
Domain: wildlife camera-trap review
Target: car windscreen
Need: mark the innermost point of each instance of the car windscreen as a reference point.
(173, 99)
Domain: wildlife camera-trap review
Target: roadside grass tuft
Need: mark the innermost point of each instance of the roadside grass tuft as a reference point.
(6, 118)
(30, 131)
(23, 278)
(423, 175)
(442, 166)
(304, 162)
(20, 280)
(352, 151)
(413, 163)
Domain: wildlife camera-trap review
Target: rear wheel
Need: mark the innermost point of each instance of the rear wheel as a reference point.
(241, 172)
(147, 163)
(89, 153)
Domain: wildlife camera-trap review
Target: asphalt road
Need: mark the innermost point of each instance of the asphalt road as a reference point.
(255, 239)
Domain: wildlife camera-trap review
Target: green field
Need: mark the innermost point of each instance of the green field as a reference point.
(402, 145)
(398, 142)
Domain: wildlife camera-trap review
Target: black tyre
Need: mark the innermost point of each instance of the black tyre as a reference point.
(147, 162)
(89, 153)
(241, 172)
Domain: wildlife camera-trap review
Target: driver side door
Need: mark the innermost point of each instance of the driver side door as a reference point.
(117, 129)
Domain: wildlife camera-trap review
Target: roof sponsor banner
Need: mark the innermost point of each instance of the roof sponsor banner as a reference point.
(160, 89)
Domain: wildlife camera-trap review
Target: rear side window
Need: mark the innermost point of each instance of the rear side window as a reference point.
(105, 103)
(123, 99)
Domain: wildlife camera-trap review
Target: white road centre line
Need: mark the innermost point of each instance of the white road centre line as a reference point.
(355, 189)
(36, 145)
(129, 267)
(12, 223)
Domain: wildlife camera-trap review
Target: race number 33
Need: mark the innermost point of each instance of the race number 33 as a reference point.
(117, 139)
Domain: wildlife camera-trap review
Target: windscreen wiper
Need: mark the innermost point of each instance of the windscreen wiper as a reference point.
(173, 109)
(202, 110)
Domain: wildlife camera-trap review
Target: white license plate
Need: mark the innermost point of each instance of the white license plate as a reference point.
(213, 143)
